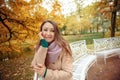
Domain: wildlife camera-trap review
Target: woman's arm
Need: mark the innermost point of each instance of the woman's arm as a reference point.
(40, 53)
(39, 56)
(66, 71)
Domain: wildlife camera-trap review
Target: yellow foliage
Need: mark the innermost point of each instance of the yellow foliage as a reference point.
(23, 21)
(57, 15)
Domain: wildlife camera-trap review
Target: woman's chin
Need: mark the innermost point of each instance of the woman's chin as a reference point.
(49, 41)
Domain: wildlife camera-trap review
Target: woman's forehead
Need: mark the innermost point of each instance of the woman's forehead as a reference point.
(48, 25)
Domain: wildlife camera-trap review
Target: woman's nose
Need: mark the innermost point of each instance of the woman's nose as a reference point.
(48, 32)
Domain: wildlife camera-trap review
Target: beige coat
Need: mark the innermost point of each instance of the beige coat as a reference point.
(61, 69)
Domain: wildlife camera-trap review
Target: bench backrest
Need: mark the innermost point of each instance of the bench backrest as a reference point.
(106, 43)
(115, 41)
(78, 49)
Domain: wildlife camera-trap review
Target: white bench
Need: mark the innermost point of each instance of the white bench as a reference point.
(107, 47)
(82, 60)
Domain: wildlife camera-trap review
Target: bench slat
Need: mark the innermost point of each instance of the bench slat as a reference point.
(82, 60)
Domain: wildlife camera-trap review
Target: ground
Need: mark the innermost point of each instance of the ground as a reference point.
(19, 69)
(108, 71)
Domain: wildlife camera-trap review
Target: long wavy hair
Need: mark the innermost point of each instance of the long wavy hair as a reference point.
(58, 37)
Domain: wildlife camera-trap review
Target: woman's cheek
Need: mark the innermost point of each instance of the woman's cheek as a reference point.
(43, 34)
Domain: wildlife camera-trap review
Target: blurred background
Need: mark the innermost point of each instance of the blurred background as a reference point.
(77, 20)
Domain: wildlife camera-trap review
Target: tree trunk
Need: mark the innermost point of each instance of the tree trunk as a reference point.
(113, 19)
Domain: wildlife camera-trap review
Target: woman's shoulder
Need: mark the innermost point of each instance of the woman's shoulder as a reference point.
(65, 53)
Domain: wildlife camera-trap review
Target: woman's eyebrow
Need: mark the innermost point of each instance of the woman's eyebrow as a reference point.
(52, 28)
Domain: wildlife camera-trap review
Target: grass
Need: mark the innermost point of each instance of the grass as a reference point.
(88, 37)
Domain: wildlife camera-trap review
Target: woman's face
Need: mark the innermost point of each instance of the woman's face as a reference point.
(48, 32)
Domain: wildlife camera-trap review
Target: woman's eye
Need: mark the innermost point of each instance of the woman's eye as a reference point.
(52, 30)
(45, 29)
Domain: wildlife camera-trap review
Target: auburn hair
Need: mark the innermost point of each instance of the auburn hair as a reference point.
(58, 37)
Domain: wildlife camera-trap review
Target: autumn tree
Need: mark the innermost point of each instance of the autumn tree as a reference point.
(73, 25)
(108, 10)
(56, 14)
(19, 21)
(116, 8)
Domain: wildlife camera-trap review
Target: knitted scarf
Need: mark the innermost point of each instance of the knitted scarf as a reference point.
(53, 52)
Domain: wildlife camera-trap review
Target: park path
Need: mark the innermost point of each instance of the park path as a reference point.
(109, 71)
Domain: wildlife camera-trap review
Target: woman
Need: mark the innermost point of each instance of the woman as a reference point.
(53, 57)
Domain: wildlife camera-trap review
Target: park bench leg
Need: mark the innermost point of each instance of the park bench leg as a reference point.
(105, 59)
(119, 55)
(35, 76)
